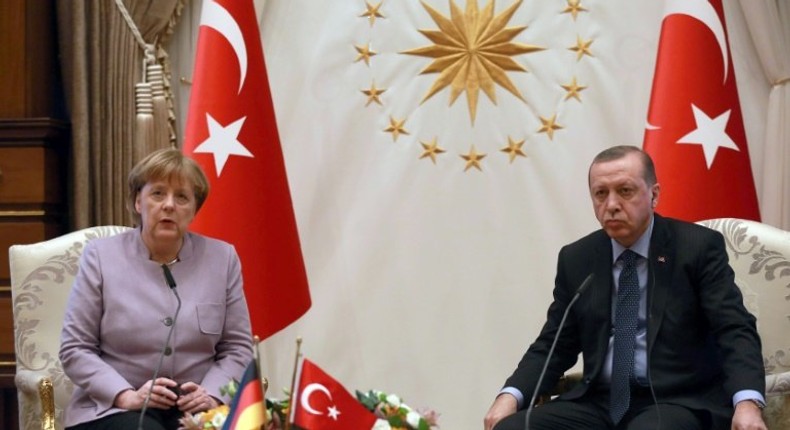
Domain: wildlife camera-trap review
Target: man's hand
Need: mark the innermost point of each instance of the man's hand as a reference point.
(748, 417)
(504, 405)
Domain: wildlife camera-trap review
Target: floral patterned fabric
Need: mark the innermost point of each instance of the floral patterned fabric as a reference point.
(41, 278)
(760, 256)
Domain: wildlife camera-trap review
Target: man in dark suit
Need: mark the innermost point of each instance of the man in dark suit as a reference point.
(687, 355)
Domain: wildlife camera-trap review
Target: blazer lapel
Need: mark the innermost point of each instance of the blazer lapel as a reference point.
(603, 283)
(600, 299)
(660, 263)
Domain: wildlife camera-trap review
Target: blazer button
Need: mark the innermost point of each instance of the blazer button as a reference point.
(168, 350)
(168, 321)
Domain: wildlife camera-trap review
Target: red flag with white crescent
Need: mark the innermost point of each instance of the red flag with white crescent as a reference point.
(695, 131)
(322, 403)
(232, 133)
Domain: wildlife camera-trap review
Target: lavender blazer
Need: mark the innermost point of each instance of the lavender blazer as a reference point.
(120, 309)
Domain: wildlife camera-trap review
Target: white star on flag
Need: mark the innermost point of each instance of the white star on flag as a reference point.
(222, 142)
(709, 134)
(333, 412)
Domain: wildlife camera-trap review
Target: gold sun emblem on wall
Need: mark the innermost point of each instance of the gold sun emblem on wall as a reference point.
(472, 51)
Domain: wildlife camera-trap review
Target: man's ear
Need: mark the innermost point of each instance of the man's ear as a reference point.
(654, 198)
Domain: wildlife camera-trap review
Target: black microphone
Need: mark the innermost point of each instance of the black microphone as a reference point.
(169, 278)
(582, 287)
(172, 284)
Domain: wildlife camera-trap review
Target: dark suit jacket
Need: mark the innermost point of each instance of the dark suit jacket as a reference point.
(702, 343)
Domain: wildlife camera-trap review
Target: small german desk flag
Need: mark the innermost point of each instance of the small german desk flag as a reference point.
(247, 411)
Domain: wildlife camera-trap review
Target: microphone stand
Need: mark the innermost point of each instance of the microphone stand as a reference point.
(584, 285)
(172, 284)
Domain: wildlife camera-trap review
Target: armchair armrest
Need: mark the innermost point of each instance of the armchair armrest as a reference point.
(38, 385)
(777, 384)
(566, 382)
(777, 399)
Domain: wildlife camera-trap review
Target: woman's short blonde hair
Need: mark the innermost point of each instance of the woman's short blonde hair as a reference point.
(166, 164)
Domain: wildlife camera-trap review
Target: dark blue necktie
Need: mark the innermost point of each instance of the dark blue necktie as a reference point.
(625, 319)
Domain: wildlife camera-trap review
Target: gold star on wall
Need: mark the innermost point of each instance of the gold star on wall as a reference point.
(513, 148)
(549, 125)
(372, 12)
(396, 128)
(582, 48)
(473, 159)
(573, 90)
(364, 53)
(431, 150)
(373, 93)
(574, 7)
(472, 50)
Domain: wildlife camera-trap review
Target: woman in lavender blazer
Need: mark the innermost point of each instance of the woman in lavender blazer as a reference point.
(122, 307)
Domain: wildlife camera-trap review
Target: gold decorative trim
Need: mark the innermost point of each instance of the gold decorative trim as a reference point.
(7, 363)
(32, 213)
(5, 289)
(46, 393)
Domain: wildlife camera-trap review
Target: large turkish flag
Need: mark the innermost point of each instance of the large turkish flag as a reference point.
(231, 132)
(695, 130)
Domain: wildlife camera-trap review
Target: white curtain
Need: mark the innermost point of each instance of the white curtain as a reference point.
(429, 280)
(768, 23)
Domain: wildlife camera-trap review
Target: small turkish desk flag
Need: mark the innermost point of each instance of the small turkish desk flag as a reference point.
(695, 131)
(321, 403)
(231, 132)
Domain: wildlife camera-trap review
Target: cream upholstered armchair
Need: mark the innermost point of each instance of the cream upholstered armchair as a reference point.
(760, 256)
(41, 278)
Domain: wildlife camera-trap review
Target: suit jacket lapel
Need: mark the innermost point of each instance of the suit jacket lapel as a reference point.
(660, 263)
(601, 296)
(603, 283)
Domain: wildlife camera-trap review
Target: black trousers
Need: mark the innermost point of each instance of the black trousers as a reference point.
(592, 412)
(155, 419)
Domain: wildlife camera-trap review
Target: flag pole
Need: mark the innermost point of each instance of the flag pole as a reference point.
(261, 379)
(293, 383)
